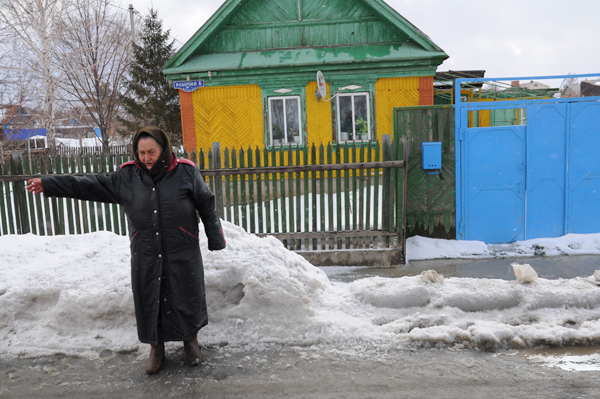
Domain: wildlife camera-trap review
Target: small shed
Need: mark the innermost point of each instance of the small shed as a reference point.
(248, 77)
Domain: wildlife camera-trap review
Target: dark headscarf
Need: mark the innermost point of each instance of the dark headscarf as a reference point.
(164, 160)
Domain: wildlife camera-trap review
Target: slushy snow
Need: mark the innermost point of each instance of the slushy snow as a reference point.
(72, 295)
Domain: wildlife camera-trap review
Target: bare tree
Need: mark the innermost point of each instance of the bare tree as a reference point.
(14, 99)
(37, 28)
(99, 49)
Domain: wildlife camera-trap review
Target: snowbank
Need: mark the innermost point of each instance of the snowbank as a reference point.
(419, 248)
(72, 294)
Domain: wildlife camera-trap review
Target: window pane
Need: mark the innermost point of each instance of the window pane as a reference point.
(293, 124)
(361, 117)
(345, 111)
(277, 122)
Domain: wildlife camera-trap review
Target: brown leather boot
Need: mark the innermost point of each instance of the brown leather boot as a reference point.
(157, 355)
(192, 351)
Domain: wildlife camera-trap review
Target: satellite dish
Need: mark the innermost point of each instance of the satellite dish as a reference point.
(321, 85)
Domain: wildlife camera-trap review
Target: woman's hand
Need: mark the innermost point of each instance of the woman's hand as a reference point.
(35, 186)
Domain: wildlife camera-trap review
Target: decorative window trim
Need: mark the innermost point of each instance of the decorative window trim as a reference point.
(354, 138)
(284, 140)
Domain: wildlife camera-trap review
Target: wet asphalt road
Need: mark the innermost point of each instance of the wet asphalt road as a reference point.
(287, 372)
(320, 371)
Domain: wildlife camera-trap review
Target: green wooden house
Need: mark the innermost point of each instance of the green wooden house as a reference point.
(256, 64)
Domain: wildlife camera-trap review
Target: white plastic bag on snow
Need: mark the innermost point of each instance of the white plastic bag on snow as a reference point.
(431, 276)
(524, 273)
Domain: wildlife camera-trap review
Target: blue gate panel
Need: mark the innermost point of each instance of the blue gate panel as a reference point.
(584, 168)
(546, 170)
(546, 210)
(540, 179)
(495, 184)
(496, 217)
(585, 207)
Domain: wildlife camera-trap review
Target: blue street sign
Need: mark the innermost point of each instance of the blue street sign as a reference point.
(189, 85)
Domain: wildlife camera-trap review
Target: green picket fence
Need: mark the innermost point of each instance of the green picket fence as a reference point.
(311, 198)
(22, 212)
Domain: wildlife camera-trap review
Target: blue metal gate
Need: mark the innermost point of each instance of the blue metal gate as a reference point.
(531, 180)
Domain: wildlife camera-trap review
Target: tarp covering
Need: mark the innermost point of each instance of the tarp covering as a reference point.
(22, 134)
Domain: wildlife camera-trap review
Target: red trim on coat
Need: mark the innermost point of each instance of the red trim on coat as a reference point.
(185, 231)
(185, 161)
(174, 162)
(135, 163)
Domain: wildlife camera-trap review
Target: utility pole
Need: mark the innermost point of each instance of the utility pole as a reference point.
(132, 23)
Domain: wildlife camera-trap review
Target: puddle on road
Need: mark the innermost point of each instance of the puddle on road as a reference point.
(546, 267)
(574, 358)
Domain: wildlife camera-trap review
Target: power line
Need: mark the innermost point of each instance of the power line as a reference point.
(126, 9)
(136, 12)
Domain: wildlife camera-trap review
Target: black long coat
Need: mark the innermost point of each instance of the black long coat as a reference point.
(167, 276)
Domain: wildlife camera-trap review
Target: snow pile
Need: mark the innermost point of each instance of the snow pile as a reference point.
(62, 294)
(72, 294)
(419, 248)
(257, 291)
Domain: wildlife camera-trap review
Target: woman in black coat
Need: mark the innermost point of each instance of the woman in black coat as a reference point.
(160, 195)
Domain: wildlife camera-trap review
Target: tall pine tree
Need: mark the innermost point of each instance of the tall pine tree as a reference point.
(151, 98)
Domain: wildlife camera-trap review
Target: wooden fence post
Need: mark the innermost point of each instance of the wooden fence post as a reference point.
(403, 202)
(16, 168)
(387, 186)
(218, 188)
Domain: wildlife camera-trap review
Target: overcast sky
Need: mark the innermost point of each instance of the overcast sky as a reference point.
(509, 38)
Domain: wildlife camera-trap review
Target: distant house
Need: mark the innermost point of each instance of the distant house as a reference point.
(17, 117)
(71, 127)
(531, 85)
(17, 125)
(250, 73)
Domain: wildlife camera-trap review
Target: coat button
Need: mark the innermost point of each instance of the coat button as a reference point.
(157, 233)
(159, 255)
(155, 211)
(153, 189)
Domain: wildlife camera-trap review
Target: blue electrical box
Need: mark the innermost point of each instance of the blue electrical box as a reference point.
(432, 155)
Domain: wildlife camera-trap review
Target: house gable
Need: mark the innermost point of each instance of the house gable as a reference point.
(293, 36)
(274, 25)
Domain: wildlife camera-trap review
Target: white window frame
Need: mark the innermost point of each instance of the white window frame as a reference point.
(339, 121)
(285, 141)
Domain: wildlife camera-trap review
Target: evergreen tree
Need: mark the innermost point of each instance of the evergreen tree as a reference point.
(151, 98)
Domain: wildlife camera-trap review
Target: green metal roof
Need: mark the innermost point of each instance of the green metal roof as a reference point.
(243, 37)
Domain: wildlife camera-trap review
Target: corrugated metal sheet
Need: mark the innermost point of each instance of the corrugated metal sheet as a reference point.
(231, 115)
